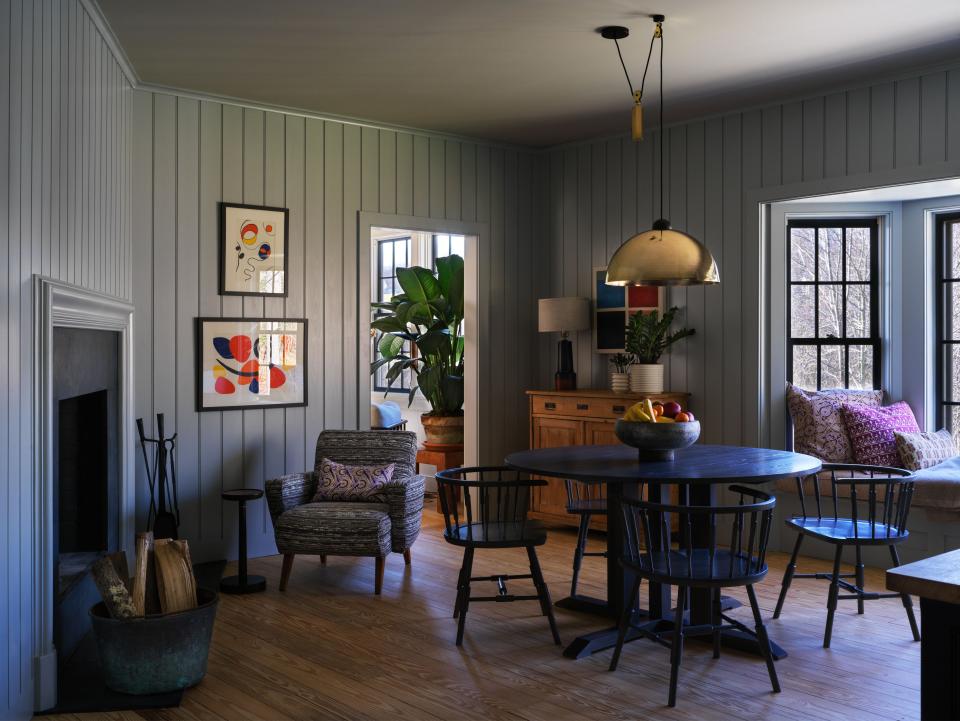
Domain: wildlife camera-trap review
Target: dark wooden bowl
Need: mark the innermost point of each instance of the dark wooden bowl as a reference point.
(657, 441)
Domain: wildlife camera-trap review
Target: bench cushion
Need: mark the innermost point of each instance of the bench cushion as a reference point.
(337, 529)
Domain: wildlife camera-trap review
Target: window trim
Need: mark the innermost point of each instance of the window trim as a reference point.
(875, 338)
(942, 221)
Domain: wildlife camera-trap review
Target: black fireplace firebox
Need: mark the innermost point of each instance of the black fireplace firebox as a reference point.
(84, 474)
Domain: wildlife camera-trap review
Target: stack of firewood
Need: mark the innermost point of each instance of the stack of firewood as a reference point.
(162, 581)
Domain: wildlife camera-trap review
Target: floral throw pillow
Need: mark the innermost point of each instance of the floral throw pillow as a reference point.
(871, 431)
(922, 450)
(338, 482)
(818, 428)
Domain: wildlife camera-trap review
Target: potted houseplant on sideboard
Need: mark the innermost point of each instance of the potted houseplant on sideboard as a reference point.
(620, 376)
(648, 338)
(428, 314)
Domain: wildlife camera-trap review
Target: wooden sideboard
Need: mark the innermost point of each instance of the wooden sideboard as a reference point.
(577, 418)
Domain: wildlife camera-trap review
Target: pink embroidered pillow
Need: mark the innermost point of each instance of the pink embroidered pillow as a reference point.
(818, 428)
(338, 482)
(871, 431)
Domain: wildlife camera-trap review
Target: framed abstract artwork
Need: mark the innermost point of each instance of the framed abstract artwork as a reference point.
(613, 306)
(251, 363)
(253, 250)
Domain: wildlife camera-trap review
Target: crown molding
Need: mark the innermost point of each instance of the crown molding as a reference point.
(106, 32)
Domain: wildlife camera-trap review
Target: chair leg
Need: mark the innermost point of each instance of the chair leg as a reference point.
(406, 557)
(378, 585)
(676, 649)
(717, 621)
(860, 580)
(285, 571)
(624, 625)
(832, 596)
(579, 550)
(763, 640)
(907, 601)
(323, 559)
(788, 576)
(546, 605)
(463, 597)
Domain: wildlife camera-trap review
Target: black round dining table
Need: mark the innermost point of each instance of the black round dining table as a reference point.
(702, 471)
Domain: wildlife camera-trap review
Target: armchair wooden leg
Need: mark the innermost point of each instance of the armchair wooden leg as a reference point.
(379, 582)
(323, 559)
(406, 557)
(285, 571)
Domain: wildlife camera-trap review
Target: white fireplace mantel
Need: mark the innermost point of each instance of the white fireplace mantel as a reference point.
(58, 304)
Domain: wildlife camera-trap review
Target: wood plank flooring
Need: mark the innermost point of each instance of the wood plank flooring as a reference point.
(329, 649)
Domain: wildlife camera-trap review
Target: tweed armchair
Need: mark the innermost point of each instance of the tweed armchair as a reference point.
(386, 522)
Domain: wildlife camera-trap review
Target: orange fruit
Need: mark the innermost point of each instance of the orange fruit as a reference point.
(681, 417)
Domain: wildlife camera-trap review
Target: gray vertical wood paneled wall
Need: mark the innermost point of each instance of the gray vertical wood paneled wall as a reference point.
(65, 160)
(190, 154)
(602, 192)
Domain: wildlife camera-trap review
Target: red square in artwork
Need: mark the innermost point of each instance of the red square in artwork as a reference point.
(643, 296)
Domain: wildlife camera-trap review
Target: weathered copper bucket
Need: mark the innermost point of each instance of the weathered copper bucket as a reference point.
(155, 654)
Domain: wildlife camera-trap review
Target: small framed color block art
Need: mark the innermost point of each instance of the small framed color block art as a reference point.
(613, 306)
(253, 250)
(251, 363)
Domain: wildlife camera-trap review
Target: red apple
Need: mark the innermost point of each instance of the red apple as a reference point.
(671, 408)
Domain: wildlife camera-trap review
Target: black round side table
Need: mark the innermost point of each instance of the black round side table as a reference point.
(242, 583)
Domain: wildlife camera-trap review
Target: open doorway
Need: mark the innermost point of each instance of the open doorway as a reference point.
(391, 243)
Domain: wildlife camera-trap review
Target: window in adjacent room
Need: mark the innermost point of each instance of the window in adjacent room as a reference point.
(833, 303)
(392, 253)
(948, 322)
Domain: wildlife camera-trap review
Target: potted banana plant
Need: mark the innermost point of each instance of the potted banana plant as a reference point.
(428, 315)
(648, 338)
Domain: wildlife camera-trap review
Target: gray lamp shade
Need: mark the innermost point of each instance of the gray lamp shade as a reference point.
(563, 314)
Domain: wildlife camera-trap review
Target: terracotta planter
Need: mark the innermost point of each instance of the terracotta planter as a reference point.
(646, 378)
(442, 430)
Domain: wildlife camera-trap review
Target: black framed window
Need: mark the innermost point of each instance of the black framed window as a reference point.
(392, 253)
(444, 244)
(948, 322)
(833, 303)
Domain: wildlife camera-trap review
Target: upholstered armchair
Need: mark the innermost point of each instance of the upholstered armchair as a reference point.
(380, 524)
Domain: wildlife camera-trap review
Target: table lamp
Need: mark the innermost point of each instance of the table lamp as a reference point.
(564, 315)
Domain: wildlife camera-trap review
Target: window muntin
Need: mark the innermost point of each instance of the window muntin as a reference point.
(948, 322)
(833, 337)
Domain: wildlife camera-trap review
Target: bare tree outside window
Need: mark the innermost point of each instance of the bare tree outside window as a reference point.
(834, 338)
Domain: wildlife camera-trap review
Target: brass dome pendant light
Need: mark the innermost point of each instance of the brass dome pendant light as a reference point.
(661, 255)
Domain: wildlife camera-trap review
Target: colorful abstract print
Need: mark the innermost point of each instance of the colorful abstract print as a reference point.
(339, 482)
(253, 250)
(260, 362)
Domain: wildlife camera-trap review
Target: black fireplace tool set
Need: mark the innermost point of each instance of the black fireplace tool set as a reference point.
(163, 485)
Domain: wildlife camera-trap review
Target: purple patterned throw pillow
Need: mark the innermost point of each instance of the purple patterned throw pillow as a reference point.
(818, 429)
(338, 482)
(871, 431)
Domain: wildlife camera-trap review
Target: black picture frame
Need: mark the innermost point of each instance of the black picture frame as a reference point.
(223, 242)
(199, 366)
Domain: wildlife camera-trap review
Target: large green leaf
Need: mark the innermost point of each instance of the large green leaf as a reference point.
(389, 323)
(435, 341)
(453, 392)
(418, 283)
(390, 345)
(450, 278)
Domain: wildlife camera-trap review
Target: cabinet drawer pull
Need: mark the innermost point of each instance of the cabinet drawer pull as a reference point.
(619, 409)
(550, 406)
(582, 406)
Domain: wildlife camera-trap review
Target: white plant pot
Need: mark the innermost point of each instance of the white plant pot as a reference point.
(619, 382)
(646, 378)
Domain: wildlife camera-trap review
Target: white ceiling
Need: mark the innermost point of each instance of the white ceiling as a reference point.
(532, 72)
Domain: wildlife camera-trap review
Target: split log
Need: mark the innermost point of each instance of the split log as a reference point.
(119, 561)
(144, 587)
(175, 581)
(112, 589)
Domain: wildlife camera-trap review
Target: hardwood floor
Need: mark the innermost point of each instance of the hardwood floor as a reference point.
(328, 648)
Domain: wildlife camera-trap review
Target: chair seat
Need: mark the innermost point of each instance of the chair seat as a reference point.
(726, 569)
(841, 530)
(335, 528)
(588, 505)
(498, 535)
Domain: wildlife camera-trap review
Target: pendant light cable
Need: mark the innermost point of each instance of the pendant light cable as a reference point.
(646, 68)
(662, 134)
(629, 84)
